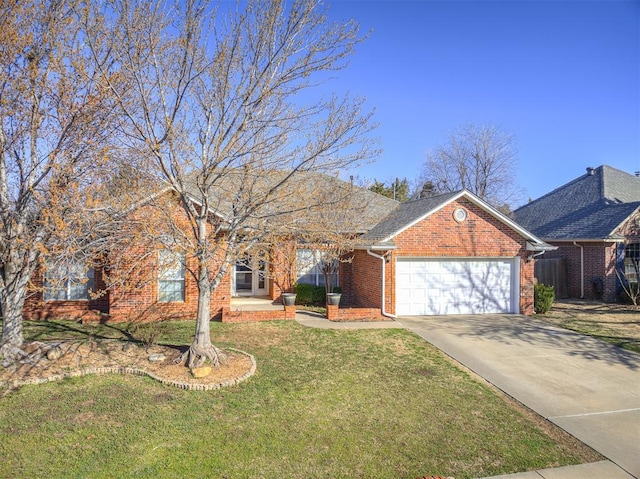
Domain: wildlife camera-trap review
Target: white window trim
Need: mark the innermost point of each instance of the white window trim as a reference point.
(314, 270)
(67, 282)
(629, 268)
(162, 295)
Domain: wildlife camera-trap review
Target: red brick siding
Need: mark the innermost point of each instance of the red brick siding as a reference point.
(100, 299)
(345, 278)
(282, 269)
(274, 290)
(229, 316)
(631, 229)
(336, 313)
(95, 308)
(526, 286)
(366, 287)
(138, 301)
(439, 235)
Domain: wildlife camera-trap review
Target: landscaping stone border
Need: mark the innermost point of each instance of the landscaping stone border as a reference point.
(141, 372)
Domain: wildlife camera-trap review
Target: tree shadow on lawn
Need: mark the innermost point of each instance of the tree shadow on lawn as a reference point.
(579, 308)
(71, 330)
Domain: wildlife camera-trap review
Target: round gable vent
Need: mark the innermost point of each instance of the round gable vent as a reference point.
(460, 214)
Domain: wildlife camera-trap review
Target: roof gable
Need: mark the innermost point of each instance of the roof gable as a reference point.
(404, 216)
(410, 213)
(590, 207)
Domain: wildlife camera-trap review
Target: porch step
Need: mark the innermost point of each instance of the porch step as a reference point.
(255, 304)
(244, 316)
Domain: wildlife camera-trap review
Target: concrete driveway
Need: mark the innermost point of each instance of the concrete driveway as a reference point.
(587, 387)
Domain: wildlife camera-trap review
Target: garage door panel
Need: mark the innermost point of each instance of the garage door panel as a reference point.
(418, 278)
(455, 286)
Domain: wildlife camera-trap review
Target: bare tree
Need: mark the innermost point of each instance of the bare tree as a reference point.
(54, 122)
(223, 101)
(481, 159)
(332, 233)
(629, 279)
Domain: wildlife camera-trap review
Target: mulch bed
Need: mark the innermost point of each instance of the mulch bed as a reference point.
(78, 358)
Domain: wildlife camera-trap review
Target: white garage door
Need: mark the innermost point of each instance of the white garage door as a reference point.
(456, 286)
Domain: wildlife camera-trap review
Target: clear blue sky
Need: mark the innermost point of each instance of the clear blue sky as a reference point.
(562, 76)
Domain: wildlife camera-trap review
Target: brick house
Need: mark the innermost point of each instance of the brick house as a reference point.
(594, 221)
(449, 254)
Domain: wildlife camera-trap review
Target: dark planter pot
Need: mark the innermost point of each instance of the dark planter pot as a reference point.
(289, 299)
(333, 299)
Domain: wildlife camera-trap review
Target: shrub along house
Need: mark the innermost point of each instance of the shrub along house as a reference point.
(594, 221)
(448, 254)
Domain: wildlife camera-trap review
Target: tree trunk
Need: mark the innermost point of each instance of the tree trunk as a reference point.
(327, 282)
(201, 349)
(12, 319)
(327, 270)
(11, 303)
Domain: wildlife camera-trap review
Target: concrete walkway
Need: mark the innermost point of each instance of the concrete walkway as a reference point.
(316, 320)
(588, 388)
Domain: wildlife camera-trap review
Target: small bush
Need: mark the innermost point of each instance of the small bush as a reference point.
(310, 295)
(304, 294)
(148, 333)
(630, 294)
(543, 298)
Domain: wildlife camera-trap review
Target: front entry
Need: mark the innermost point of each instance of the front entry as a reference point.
(249, 278)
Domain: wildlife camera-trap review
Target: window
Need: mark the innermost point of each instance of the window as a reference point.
(632, 262)
(67, 282)
(308, 268)
(171, 276)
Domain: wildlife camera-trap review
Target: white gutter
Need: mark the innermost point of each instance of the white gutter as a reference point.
(581, 269)
(538, 249)
(535, 255)
(384, 260)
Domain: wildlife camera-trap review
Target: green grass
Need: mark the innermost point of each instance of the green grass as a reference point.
(613, 323)
(599, 331)
(323, 403)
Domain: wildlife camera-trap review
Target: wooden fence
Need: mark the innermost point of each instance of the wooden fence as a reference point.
(553, 272)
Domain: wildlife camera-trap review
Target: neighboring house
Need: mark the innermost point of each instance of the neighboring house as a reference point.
(594, 221)
(449, 254)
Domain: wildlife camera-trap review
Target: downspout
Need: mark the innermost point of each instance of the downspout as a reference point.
(384, 261)
(533, 256)
(581, 269)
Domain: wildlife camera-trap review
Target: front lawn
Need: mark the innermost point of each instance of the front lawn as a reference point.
(614, 323)
(323, 403)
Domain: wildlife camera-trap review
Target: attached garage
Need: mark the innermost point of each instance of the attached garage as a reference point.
(431, 286)
(447, 254)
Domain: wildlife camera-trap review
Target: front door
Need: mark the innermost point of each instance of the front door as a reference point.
(250, 278)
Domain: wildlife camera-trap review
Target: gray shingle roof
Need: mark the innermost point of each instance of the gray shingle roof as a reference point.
(589, 207)
(405, 214)
(302, 190)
